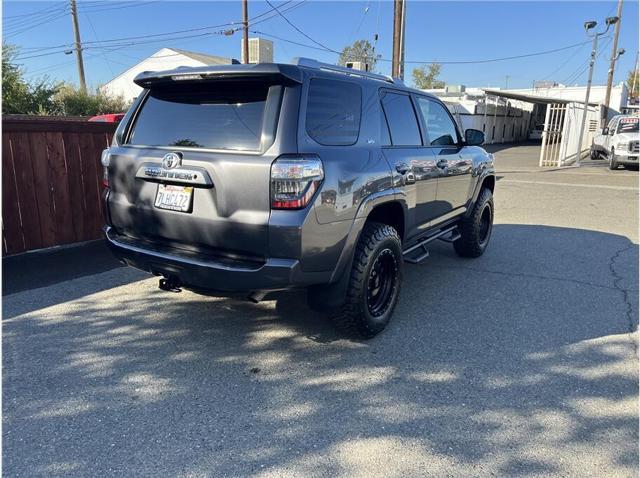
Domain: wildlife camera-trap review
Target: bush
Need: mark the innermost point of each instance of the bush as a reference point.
(44, 97)
(74, 102)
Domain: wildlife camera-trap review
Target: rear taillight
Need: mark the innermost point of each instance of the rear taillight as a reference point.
(105, 160)
(294, 181)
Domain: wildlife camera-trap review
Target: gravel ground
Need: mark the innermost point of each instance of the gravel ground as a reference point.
(522, 362)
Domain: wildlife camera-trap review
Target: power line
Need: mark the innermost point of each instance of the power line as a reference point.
(584, 66)
(189, 30)
(300, 31)
(111, 7)
(41, 21)
(492, 60)
(564, 63)
(37, 12)
(465, 62)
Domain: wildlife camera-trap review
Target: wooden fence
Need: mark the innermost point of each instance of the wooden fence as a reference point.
(51, 181)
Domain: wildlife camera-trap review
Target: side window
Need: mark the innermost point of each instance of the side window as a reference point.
(403, 124)
(333, 112)
(440, 129)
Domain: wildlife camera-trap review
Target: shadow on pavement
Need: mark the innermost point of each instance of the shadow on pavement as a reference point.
(515, 363)
(53, 266)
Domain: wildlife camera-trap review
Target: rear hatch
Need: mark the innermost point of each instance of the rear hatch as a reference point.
(192, 166)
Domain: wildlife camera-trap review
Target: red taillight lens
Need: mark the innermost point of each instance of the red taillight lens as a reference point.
(105, 160)
(294, 181)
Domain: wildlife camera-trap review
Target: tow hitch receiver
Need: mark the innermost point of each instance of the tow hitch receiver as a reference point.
(170, 284)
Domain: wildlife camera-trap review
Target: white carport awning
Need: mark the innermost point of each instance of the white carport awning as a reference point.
(530, 98)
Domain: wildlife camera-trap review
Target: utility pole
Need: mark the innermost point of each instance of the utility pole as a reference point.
(245, 27)
(612, 64)
(398, 7)
(506, 81)
(588, 26)
(636, 66)
(402, 30)
(78, 45)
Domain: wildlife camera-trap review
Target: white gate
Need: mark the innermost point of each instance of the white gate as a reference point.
(561, 133)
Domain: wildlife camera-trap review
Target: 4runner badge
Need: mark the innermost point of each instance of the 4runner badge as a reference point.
(171, 160)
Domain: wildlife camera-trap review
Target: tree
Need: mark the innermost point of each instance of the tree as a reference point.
(633, 83)
(20, 97)
(361, 50)
(426, 77)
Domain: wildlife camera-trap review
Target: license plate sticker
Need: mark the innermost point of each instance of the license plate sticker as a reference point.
(174, 198)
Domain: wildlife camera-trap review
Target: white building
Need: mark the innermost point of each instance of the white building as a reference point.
(508, 115)
(165, 59)
(260, 51)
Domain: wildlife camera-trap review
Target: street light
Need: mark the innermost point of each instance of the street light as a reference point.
(588, 26)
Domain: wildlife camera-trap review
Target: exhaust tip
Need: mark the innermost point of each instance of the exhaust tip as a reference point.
(170, 284)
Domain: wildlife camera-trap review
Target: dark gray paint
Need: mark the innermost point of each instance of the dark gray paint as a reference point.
(233, 220)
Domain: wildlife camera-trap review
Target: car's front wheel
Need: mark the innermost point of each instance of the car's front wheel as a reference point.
(613, 164)
(374, 283)
(593, 153)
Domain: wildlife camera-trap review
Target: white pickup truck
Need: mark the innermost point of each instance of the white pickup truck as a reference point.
(618, 142)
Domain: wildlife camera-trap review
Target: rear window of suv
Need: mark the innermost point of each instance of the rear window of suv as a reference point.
(333, 112)
(213, 116)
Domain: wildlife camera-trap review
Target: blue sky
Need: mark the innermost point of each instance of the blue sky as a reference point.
(436, 31)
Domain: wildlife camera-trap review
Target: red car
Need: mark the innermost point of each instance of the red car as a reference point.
(108, 118)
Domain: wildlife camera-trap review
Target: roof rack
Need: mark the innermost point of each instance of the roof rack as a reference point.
(310, 63)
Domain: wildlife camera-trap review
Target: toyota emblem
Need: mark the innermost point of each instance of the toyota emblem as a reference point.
(171, 160)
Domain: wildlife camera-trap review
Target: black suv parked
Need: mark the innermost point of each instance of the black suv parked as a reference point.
(254, 178)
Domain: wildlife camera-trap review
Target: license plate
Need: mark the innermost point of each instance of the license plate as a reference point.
(174, 198)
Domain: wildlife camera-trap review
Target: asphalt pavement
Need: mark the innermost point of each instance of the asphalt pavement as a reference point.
(523, 362)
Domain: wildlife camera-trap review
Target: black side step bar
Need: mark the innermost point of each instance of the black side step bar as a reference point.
(448, 234)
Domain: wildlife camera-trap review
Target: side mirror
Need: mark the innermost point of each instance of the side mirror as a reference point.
(605, 131)
(473, 137)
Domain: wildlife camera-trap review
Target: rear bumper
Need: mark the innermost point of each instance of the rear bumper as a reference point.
(198, 271)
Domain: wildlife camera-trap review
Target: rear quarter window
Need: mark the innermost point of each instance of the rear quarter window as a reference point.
(333, 112)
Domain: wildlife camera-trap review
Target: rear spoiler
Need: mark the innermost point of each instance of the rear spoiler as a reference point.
(267, 71)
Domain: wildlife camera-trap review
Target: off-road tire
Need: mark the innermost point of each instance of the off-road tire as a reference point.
(594, 154)
(355, 318)
(473, 237)
(613, 164)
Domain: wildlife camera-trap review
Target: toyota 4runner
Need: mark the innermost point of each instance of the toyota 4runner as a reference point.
(256, 178)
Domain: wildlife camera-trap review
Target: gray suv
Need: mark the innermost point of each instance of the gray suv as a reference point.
(256, 178)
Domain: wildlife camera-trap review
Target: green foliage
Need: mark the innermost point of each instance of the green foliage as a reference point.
(633, 83)
(74, 102)
(361, 50)
(426, 77)
(20, 97)
(43, 97)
